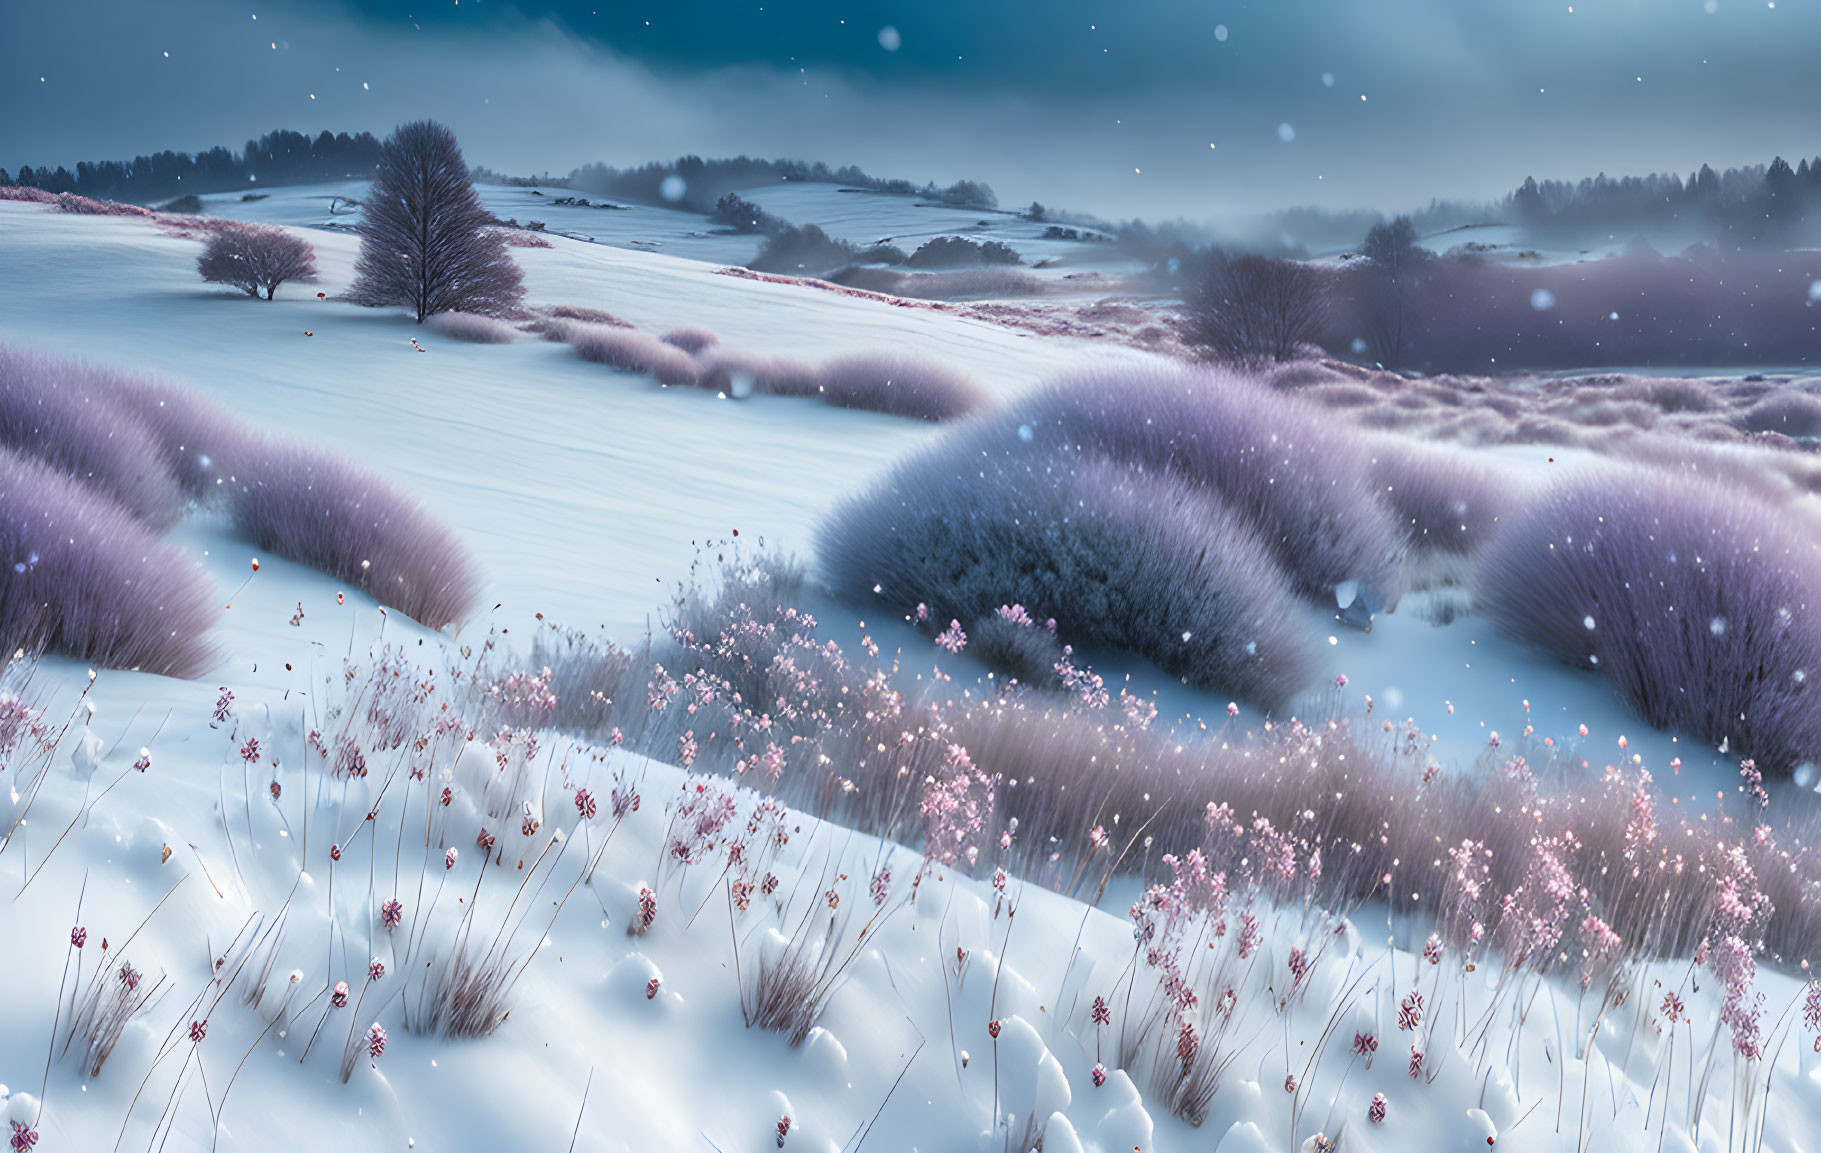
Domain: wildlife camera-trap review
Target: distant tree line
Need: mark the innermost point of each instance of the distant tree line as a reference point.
(281, 157)
(705, 181)
(1758, 204)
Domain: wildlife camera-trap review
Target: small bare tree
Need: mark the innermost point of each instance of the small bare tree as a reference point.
(425, 241)
(255, 258)
(1253, 308)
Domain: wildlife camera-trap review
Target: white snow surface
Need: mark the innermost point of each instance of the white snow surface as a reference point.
(581, 492)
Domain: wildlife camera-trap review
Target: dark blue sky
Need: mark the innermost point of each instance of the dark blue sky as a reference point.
(1203, 108)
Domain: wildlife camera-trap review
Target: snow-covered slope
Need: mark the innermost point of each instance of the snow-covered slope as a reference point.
(583, 493)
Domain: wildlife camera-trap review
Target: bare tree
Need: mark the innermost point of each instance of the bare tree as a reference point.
(253, 257)
(1253, 308)
(426, 242)
(1385, 288)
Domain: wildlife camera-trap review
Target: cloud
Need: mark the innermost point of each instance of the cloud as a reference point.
(1112, 113)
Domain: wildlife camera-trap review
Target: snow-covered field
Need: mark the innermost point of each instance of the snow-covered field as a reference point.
(585, 495)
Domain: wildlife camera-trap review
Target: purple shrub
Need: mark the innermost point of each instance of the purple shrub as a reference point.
(1449, 501)
(1118, 556)
(83, 577)
(586, 674)
(590, 315)
(1086, 781)
(900, 385)
(255, 258)
(471, 327)
(70, 415)
(631, 350)
(741, 374)
(694, 341)
(331, 515)
(1702, 604)
(89, 206)
(197, 437)
(27, 195)
(1029, 652)
(1284, 466)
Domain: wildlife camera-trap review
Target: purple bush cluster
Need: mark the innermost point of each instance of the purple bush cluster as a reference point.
(83, 576)
(75, 418)
(1701, 603)
(632, 350)
(149, 449)
(1118, 556)
(471, 327)
(891, 383)
(331, 515)
(1063, 787)
(694, 341)
(1301, 482)
(1451, 502)
(900, 385)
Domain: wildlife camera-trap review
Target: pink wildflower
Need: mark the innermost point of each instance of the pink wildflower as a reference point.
(1410, 1011)
(952, 638)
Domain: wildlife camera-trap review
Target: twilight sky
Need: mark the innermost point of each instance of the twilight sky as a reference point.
(1197, 108)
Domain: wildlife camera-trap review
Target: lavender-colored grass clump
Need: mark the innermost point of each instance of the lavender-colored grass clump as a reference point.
(1283, 466)
(83, 577)
(694, 341)
(71, 416)
(629, 349)
(1449, 502)
(1025, 650)
(742, 374)
(1702, 604)
(589, 315)
(900, 385)
(333, 516)
(1118, 556)
(471, 327)
(586, 674)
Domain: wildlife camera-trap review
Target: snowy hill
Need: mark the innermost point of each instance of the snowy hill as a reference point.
(946, 1022)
